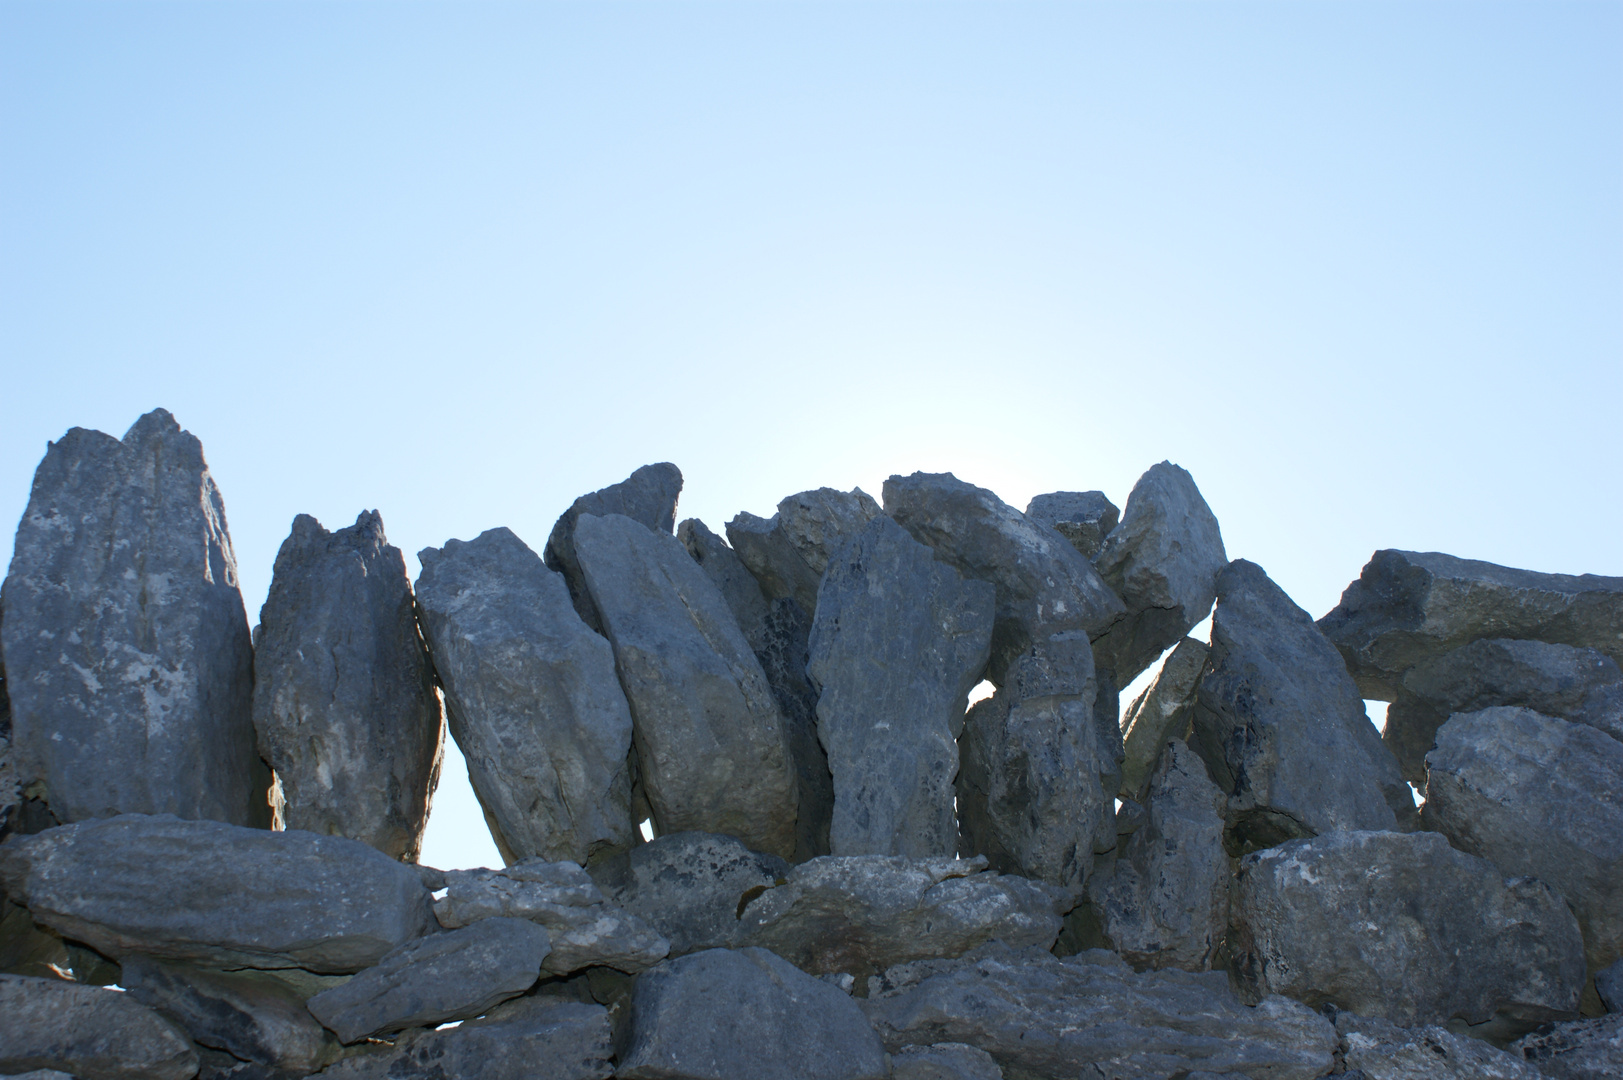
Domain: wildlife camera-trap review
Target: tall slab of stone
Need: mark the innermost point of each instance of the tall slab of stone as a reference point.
(710, 739)
(344, 699)
(1163, 711)
(648, 496)
(532, 699)
(128, 659)
(898, 642)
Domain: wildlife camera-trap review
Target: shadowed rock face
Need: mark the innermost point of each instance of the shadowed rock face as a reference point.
(344, 699)
(130, 668)
(97, 1034)
(1084, 518)
(648, 496)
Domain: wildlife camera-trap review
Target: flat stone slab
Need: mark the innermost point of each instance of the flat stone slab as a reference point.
(88, 1032)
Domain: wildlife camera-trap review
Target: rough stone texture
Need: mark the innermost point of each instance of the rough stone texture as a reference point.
(1580, 1050)
(1402, 926)
(710, 740)
(26, 948)
(1084, 518)
(1581, 685)
(898, 642)
(944, 1061)
(1165, 710)
(648, 497)
(1281, 726)
(1408, 606)
(1382, 1051)
(689, 886)
(586, 927)
(251, 1015)
(731, 577)
(1162, 560)
(1165, 900)
(88, 1032)
(1076, 1019)
(819, 523)
(10, 789)
(130, 667)
(1609, 985)
(532, 697)
(216, 894)
(344, 699)
(860, 914)
(1542, 797)
(745, 1015)
(780, 569)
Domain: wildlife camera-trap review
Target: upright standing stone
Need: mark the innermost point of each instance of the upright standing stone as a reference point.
(731, 577)
(344, 698)
(772, 557)
(710, 739)
(819, 523)
(1084, 518)
(129, 664)
(1163, 711)
(647, 496)
(899, 641)
(532, 698)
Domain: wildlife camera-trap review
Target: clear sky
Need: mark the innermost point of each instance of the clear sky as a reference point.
(1357, 266)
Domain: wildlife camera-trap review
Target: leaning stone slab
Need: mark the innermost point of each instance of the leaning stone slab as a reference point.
(1381, 1050)
(745, 1015)
(1408, 606)
(944, 1061)
(710, 740)
(1084, 518)
(1074, 1019)
(819, 523)
(1577, 1050)
(88, 1032)
(1404, 927)
(648, 496)
(860, 914)
(898, 642)
(1164, 711)
(779, 567)
(216, 894)
(533, 699)
(732, 579)
(129, 663)
(344, 699)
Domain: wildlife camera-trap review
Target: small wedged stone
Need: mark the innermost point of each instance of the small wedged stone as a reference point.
(648, 497)
(1084, 518)
(1577, 1050)
(217, 895)
(1164, 711)
(819, 523)
(344, 701)
(898, 642)
(944, 1061)
(745, 1015)
(768, 553)
(1409, 606)
(1404, 927)
(88, 1032)
(1383, 1051)
(860, 914)
(1162, 560)
(1075, 1019)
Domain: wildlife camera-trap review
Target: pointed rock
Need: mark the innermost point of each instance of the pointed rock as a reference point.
(88, 1032)
(648, 496)
(1165, 710)
(1084, 518)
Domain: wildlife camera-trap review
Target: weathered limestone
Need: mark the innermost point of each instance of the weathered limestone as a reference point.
(1404, 927)
(1408, 606)
(944, 1061)
(532, 698)
(860, 914)
(1281, 726)
(217, 895)
(766, 550)
(1077, 1019)
(87, 1032)
(1382, 1051)
(745, 1015)
(1578, 1050)
(1165, 710)
(731, 577)
(710, 740)
(648, 496)
(344, 699)
(1084, 518)
(819, 523)
(898, 642)
(1162, 560)
(129, 664)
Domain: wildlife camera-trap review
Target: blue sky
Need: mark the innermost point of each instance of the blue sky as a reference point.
(1358, 267)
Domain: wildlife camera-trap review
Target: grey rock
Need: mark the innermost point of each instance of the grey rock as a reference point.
(745, 1015)
(42, 1074)
(779, 567)
(819, 523)
(1165, 900)
(27, 949)
(860, 914)
(1581, 685)
(1162, 560)
(1382, 1051)
(1073, 1019)
(88, 1032)
(1084, 518)
(1542, 797)
(1404, 927)
(648, 497)
(731, 577)
(1609, 985)
(710, 740)
(1165, 710)
(944, 1061)
(1579, 1050)
(532, 697)
(898, 642)
(689, 886)
(1408, 606)
(586, 927)
(344, 699)
(129, 662)
(251, 1015)
(217, 895)
(10, 790)
(1281, 726)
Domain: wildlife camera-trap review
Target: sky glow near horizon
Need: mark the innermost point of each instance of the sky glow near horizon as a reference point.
(1358, 267)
